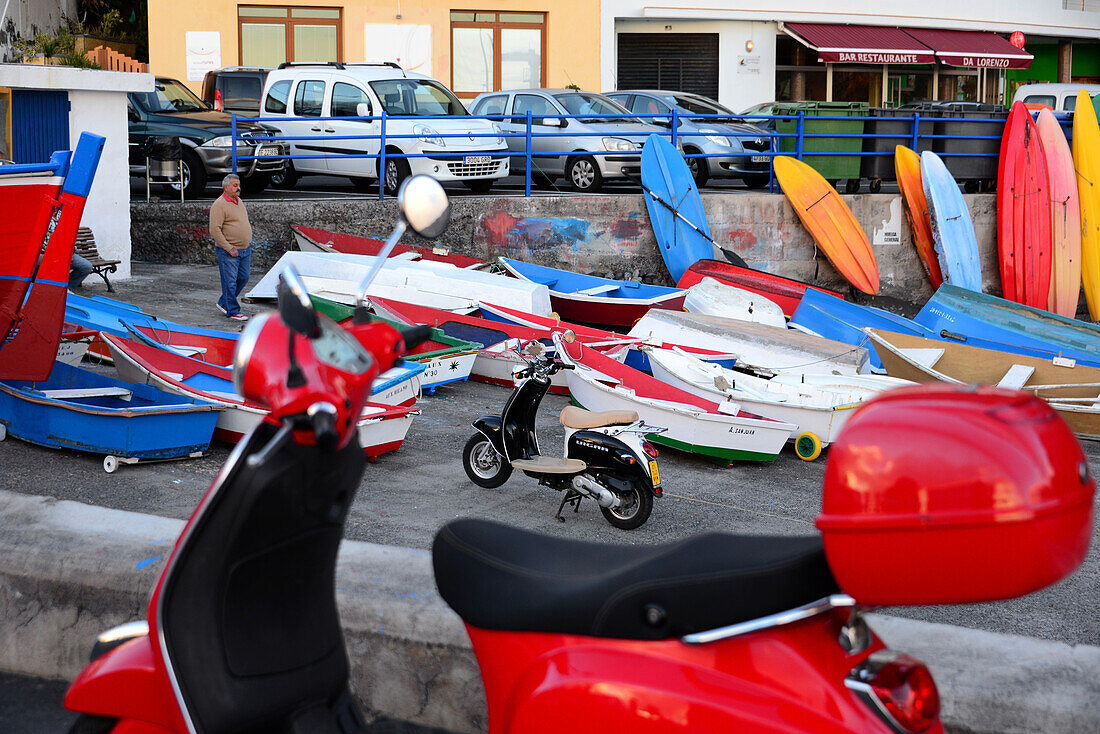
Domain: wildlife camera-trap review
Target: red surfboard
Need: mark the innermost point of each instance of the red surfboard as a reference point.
(1023, 212)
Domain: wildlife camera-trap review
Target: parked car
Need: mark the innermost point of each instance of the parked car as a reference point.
(620, 137)
(235, 89)
(736, 149)
(449, 147)
(1060, 97)
(172, 109)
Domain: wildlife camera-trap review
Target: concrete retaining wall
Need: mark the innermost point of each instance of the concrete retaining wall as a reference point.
(607, 235)
(69, 571)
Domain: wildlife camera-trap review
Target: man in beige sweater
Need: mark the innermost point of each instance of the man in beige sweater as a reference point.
(233, 236)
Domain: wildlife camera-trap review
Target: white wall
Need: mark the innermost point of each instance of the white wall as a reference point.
(108, 209)
(26, 16)
(739, 84)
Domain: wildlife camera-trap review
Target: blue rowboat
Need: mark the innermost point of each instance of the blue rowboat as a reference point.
(588, 299)
(981, 320)
(843, 321)
(86, 411)
(952, 229)
(675, 208)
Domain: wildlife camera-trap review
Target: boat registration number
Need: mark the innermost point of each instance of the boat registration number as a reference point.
(653, 472)
(475, 160)
(761, 158)
(268, 151)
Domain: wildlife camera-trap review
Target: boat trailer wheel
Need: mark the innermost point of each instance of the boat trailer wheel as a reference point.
(807, 446)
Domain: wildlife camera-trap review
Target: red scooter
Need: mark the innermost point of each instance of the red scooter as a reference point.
(724, 633)
(715, 633)
(243, 633)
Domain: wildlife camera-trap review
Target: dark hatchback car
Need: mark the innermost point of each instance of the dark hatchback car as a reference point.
(235, 89)
(205, 136)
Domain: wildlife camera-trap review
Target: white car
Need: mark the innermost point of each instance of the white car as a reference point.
(301, 100)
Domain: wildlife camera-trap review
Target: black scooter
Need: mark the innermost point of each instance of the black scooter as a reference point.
(606, 455)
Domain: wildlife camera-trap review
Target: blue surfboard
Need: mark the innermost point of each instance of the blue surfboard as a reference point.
(675, 208)
(952, 228)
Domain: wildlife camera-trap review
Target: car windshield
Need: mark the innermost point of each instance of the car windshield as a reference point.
(169, 96)
(416, 98)
(589, 104)
(701, 106)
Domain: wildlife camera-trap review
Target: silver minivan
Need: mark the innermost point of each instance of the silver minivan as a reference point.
(733, 148)
(593, 148)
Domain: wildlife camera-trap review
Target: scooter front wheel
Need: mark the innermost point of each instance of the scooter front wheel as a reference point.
(483, 463)
(637, 504)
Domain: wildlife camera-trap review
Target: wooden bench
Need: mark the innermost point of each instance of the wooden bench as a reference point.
(85, 247)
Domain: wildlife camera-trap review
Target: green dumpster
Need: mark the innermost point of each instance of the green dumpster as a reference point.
(820, 119)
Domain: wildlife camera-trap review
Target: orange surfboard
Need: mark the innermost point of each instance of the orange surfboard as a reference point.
(830, 222)
(907, 168)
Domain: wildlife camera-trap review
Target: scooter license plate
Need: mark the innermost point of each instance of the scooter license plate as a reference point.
(653, 472)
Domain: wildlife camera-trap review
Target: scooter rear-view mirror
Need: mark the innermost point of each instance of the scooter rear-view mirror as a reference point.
(425, 206)
(295, 307)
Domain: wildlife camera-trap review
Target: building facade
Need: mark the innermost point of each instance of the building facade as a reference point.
(883, 52)
(470, 47)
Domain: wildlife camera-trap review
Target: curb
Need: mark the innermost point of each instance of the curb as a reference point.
(69, 571)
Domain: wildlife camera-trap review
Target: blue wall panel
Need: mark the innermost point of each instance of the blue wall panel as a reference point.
(39, 124)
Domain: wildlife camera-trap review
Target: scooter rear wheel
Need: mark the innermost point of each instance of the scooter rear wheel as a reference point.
(633, 512)
(483, 463)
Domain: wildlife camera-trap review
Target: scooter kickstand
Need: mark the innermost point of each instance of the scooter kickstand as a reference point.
(573, 497)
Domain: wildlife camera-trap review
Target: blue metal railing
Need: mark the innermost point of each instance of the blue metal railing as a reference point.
(800, 145)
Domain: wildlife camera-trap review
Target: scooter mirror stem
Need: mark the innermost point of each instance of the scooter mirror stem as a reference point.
(380, 260)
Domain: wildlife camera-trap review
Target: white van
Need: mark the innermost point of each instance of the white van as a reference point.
(1059, 97)
(306, 94)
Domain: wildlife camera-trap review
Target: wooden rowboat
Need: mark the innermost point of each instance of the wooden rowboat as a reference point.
(785, 292)
(310, 239)
(591, 300)
(381, 427)
(1071, 388)
(712, 297)
(819, 411)
(86, 411)
(718, 431)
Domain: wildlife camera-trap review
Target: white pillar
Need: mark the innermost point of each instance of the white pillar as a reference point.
(885, 85)
(828, 82)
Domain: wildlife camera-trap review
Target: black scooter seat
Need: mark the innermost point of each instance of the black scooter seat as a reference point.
(502, 578)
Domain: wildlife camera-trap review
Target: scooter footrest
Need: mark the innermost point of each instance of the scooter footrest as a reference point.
(550, 465)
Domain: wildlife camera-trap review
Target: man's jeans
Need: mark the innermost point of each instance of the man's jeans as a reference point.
(234, 272)
(79, 269)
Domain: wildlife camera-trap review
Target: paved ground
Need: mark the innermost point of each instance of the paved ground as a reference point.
(407, 495)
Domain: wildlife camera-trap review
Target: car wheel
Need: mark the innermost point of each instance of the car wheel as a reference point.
(583, 174)
(756, 181)
(362, 182)
(542, 181)
(255, 183)
(479, 185)
(286, 178)
(192, 174)
(397, 170)
(698, 167)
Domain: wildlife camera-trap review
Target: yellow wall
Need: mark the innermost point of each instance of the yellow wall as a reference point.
(572, 28)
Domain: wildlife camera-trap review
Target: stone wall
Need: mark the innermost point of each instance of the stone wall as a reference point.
(606, 235)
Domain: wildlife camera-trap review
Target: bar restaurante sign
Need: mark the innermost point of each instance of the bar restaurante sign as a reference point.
(875, 57)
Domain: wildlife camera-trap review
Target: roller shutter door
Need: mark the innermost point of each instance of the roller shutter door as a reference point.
(677, 62)
(39, 124)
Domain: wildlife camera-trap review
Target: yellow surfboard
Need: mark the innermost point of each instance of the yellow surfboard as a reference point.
(1086, 161)
(907, 168)
(830, 222)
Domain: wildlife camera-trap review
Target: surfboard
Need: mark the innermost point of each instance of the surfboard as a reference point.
(1065, 218)
(830, 222)
(907, 169)
(1023, 212)
(1086, 161)
(952, 227)
(675, 207)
